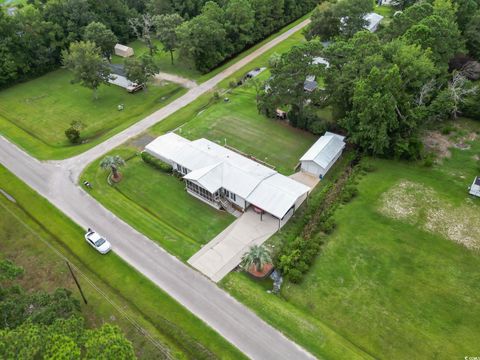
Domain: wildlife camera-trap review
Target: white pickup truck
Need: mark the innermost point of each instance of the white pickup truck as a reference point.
(97, 241)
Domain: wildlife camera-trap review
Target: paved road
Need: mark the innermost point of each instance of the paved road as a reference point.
(56, 181)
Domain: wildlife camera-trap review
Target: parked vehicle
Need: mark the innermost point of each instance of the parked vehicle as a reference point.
(97, 241)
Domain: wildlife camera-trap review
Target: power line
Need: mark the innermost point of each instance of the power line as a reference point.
(164, 350)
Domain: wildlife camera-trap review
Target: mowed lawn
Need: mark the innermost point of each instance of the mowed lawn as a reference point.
(178, 331)
(36, 114)
(394, 286)
(157, 205)
(239, 124)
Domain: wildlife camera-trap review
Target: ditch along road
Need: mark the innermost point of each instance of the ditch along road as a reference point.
(57, 182)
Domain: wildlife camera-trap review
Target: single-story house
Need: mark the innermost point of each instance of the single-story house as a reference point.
(123, 50)
(323, 154)
(119, 78)
(373, 20)
(309, 85)
(475, 188)
(223, 178)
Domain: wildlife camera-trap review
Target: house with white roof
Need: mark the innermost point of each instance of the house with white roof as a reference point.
(223, 178)
(323, 154)
(373, 20)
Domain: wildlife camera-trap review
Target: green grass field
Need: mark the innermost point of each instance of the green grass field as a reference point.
(158, 205)
(36, 114)
(393, 284)
(31, 216)
(239, 123)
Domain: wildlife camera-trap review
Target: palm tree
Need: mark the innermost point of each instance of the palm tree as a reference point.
(112, 163)
(257, 256)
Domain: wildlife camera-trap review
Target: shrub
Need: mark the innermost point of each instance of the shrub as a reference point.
(328, 226)
(216, 95)
(233, 84)
(429, 160)
(349, 193)
(447, 129)
(295, 276)
(156, 163)
(73, 135)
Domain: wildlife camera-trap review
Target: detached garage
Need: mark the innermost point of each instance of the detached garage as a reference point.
(323, 154)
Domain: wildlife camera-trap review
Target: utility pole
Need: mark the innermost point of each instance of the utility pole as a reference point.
(76, 282)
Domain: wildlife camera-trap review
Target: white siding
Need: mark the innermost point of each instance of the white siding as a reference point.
(312, 168)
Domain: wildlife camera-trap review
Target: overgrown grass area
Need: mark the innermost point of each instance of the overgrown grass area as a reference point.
(238, 123)
(392, 286)
(157, 205)
(36, 114)
(21, 224)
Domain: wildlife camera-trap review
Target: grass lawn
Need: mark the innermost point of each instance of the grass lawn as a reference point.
(35, 114)
(393, 285)
(184, 335)
(239, 122)
(158, 205)
(180, 66)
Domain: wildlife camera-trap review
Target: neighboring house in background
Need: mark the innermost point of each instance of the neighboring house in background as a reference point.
(119, 78)
(123, 51)
(310, 84)
(475, 188)
(225, 179)
(374, 20)
(323, 154)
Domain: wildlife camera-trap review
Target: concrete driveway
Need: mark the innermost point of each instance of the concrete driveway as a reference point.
(221, 255)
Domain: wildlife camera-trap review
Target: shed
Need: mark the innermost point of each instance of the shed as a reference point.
(323, 154)
(475, 188)
(123, 51)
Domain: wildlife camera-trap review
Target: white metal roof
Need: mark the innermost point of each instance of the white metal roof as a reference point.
(475, 188)
(214, 167)
(277, 194)
(373, 20)
(122, 47)
(325, 149)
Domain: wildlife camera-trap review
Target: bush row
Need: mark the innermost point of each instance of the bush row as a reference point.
(309, 233)
(156, 163)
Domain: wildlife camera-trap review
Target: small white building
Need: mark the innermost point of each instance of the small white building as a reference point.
(475, 188)
(323, 154)
(123, 50)
(225, 179)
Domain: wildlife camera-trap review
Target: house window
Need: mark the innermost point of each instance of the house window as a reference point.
(179, 168)
(233, 196)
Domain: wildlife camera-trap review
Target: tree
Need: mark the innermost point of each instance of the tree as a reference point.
(112, 163)
(239, 17)
(143, 28)
(345, 18)
(106, 343)
(451, 99)
(140, 70)
(166, 26)
(257, 256)
(89, 68)
(203, 40)
(103, 37)
(352, 15)
(472, 35)
(285, 88)
(439, 35)
(325, 23)
(374, 118)
(73, 132)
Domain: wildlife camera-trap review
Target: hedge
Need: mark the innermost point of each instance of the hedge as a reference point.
(156, 163)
